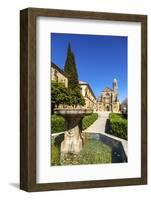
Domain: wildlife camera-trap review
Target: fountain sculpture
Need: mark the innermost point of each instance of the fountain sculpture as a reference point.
(73, 140)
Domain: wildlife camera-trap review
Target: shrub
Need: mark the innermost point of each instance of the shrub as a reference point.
(118, 125)
(88, 120)
(58, 122)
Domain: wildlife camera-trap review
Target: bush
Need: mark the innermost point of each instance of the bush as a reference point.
(118, 125)
(88, 120)
(58, 122)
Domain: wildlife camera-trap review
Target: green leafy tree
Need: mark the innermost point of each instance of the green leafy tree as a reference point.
(59, 94)
(65, 96)
(75, 98)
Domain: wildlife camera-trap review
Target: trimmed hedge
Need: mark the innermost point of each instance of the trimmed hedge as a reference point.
(58, 123)
(88, 120)
(118, 125)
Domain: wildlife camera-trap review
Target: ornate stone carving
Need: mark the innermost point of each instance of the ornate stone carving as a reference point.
(73, 141)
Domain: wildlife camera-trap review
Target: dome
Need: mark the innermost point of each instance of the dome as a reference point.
(114, 80)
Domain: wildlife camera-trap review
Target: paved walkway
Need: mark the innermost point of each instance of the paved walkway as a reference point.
(100, 124)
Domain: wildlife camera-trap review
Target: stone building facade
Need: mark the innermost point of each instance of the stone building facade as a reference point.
(58, 75)
(87, 93)
(108, 100)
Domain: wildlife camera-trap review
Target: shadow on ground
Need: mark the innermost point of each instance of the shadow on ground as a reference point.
(16, 185)
(107, 126)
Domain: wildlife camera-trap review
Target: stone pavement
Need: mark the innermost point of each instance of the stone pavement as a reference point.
(100, 125)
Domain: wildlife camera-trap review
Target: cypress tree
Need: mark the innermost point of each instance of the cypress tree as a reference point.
(71, 70)
(75, 96)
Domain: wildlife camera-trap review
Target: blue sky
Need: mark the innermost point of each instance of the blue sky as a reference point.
(99, 59)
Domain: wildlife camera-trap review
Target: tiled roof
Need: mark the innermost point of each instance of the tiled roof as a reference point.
(58, 69)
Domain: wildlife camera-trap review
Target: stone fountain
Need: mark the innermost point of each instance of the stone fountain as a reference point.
(73, 141)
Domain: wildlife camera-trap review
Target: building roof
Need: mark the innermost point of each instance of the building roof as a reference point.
(58, 69)
(106, 89)
(85, 83)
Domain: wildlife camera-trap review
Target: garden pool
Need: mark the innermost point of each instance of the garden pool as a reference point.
(97, 149)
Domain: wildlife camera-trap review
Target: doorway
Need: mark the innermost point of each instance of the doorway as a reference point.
(107, 108)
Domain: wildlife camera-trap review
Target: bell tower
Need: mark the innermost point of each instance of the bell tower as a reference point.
(115, 89)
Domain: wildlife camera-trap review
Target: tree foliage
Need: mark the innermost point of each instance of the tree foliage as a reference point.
(125, 102)
(59, 94)
(71, 70)
(75, 97)
(65, 96)
(70, 96)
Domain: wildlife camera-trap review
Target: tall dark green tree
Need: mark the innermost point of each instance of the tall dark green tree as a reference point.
(75, 96)
(71, 69)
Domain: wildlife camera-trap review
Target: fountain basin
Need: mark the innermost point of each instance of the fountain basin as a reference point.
(69, 112)
(97, 149)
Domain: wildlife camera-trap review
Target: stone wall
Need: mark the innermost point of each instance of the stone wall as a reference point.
(59, 77)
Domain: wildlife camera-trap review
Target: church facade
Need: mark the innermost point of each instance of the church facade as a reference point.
(108, 100)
